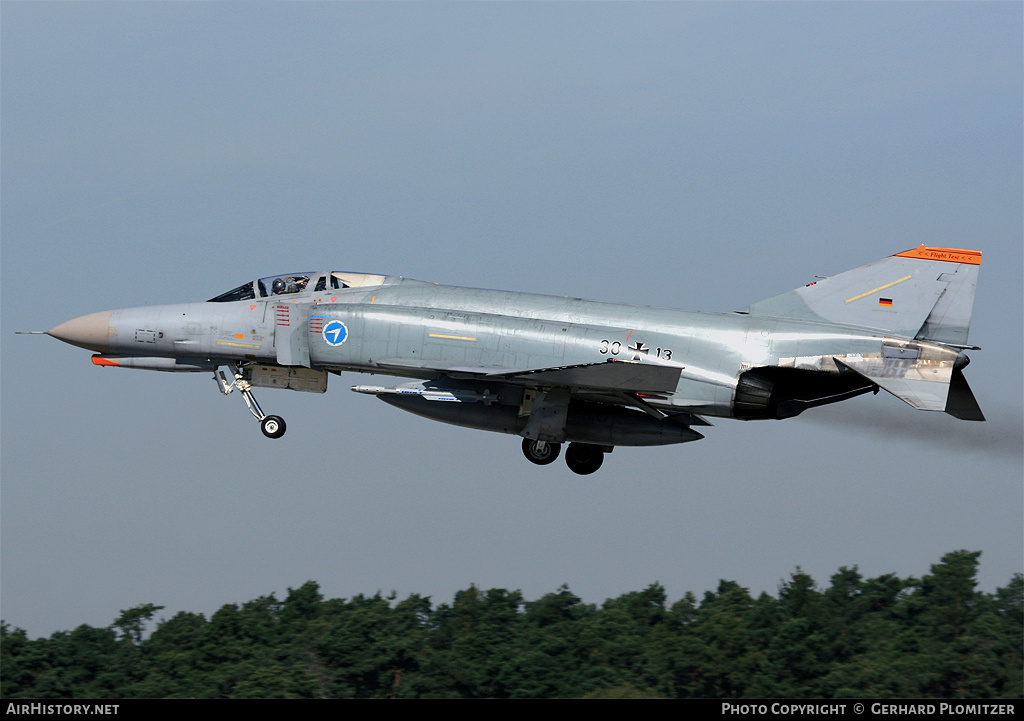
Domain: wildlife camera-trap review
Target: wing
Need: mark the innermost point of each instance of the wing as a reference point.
(613, 375)
(476, 396)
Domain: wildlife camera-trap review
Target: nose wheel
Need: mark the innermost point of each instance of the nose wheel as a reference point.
(272, 426)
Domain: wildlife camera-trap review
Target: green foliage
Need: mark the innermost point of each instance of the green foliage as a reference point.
(937, 636)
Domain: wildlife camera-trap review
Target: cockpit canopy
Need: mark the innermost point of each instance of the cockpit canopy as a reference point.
(297, 284)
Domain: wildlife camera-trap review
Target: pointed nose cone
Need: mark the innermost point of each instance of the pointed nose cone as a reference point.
(89, 331)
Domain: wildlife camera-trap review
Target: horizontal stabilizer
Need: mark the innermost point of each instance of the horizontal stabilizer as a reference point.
(916, 372)
(960, 403)
(928, 376)
(923, 394)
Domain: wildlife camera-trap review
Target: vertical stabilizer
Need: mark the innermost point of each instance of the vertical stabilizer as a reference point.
(924, 293)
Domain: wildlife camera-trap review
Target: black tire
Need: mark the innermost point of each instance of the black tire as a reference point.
(583, 458)
(540, 452)
(273, 426)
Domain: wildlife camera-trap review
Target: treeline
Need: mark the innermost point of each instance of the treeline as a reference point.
(883, 637)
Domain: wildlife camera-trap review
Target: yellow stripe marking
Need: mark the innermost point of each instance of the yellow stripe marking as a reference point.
(881, 287)
(237, 345)
(452, 337)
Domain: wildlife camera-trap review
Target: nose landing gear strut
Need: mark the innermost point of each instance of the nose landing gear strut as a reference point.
(272, 426)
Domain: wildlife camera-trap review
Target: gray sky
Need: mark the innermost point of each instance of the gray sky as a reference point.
(690, 155)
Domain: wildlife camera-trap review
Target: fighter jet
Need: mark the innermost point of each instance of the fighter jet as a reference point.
(557, 370)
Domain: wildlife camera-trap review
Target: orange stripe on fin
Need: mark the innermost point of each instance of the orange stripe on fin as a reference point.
(950, 255)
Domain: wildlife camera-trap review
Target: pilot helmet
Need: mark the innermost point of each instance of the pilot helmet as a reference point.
(277, 287)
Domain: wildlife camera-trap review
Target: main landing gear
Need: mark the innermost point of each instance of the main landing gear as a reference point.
(540, 452)
(582, 458)
(272, 426)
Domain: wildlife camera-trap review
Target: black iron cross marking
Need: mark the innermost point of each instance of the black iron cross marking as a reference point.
(638, 348)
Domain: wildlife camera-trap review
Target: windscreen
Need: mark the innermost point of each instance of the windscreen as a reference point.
(242, 292)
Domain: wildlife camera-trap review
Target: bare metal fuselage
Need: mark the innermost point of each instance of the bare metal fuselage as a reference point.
(555, 369)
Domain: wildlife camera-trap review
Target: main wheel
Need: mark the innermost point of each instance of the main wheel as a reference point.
(540, 452)
(273, 426)
(583, 458)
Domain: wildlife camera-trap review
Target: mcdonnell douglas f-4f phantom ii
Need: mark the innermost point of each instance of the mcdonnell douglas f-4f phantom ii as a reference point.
(559, 370)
